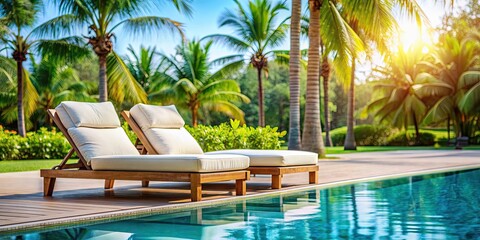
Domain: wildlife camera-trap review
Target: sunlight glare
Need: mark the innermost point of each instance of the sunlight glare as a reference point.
(411, 34)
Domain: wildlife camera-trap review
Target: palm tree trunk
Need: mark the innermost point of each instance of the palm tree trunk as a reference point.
(312, 131)
(417, 130)
(194, 111)
(326, 81)
(294, 142)
(350, 137)
(448, 131)
(102, 76)
(20, 110)
(261, 113)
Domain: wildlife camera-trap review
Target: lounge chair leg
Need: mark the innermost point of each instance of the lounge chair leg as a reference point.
(109, 183)
(277, 181)
(48, 185)
(240, 187)
(313, 177)
(145, 183)
(196, 187)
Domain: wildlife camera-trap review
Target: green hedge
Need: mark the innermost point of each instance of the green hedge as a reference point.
(409, 139)
(45, 144)
(232, 136)
(365, 135)
(42, 144)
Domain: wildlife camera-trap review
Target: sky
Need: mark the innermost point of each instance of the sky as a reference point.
(204, 21)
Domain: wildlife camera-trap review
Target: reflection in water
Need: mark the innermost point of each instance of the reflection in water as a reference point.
(440, 206)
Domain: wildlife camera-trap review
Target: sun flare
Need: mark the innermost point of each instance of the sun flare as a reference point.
(411, 34)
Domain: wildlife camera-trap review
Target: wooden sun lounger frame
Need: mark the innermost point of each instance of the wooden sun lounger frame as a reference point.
(276, 172)
(84, 171)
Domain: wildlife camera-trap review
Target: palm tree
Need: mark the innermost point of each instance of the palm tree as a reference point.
(56, 81)
(406, 89)
(16, 18)
(144, 66)
(103, 18)
(294, 63)
(8, 93)
(312, 131)
(341, 40)
(456, 65)
(325, 74)
(257, 33)
(374, 22)
(191, 84)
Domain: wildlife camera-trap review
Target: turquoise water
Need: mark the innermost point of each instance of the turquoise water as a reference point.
(439, 206)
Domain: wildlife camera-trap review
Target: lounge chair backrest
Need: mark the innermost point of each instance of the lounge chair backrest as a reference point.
(95, 129)
(163, 127)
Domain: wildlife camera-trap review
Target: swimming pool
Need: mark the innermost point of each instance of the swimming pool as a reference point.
(438, 206)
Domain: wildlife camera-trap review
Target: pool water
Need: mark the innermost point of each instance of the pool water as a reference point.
(438, 206)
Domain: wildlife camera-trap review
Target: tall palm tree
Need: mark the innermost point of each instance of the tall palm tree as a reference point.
(103, 18)
(312, 131)
(192, 85)
(257, 32)
(8, 92)
(339, 39)
(325, 75)
(16, 18)
(374, 22)
(294, 63)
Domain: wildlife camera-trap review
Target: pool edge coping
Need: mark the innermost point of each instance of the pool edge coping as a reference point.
(98, 218)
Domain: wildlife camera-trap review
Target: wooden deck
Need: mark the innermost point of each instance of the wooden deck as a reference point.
(22, 204)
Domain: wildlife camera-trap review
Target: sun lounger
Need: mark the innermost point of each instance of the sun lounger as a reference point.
(105, 152)
(154, 129)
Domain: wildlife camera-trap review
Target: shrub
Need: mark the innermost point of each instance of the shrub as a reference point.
(365, 135)
(233, 136)
(42, 144)
(409, 139)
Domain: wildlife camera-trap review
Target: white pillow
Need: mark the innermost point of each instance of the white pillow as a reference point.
(150, 116)
(94, 142)
(173, 141)
(95, 115)
(64, 118)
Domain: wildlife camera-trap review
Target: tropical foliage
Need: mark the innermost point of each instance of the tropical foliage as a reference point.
(103, 19)
(189, 81)
(413, 87)
(405, 89)
(16, 19)
(257, 34)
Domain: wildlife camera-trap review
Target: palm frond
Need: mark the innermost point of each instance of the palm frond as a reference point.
(58, 26)
(69, 48)
(121, 83)
(141, 26)
(229, 41)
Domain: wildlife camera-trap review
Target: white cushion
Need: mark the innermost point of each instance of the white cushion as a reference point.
(273, 158)
(82, 114)
(172, 141)
(150, 116)
(64, 118)
(94, 142)
(171, 163)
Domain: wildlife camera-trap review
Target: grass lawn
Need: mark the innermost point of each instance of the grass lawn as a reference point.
(339, 150)
(31, 165)
(26, 165)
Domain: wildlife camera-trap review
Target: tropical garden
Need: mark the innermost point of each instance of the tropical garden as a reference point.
(356, 82)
